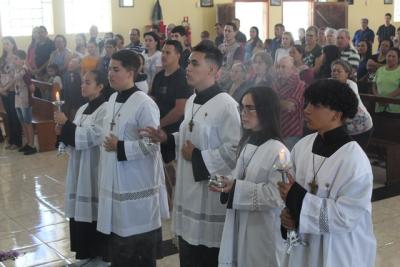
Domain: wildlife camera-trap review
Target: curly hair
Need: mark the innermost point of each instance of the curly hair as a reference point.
(334, 95)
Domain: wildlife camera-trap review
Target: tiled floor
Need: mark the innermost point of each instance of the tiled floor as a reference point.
(32, 221)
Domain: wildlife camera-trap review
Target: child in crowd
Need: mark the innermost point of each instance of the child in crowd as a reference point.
(23, 101)
(54, 78)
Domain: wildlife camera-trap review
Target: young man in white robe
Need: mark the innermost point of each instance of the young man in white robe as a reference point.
(329, 196)
(132, 192)
(251, 235)
(84, 138)
(205, 146)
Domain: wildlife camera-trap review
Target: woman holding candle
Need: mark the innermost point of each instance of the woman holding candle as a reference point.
(251, 235)
(83, 136)
(329, 197)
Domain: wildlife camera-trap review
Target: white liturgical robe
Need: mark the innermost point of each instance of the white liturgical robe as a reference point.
(198, 216)
(132, 189)
(251, 235)
(335, 222)
(81, 197)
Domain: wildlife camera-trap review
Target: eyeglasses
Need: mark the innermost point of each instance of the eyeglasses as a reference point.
(247, 109)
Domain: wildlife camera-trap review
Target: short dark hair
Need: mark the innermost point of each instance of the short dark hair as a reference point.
(55, 68)
(112, 42)
(120, 37)
(93, 41)
(155, 37)
(137, 30)
(176, 44)
(395, 49)
(206, 34)
(62, 37)
(179, 29)
(334, 95)
(211, 52)
(129, 59)
(280, 25)
(388, 14)
(218, 24)
(233, 25)
(20, 54)
(387, 40)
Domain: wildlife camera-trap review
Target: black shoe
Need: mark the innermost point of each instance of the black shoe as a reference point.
(30, 151)
(23, 149)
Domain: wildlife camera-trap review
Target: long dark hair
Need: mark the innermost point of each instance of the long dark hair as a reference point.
(331, 54)
(368, 54)
(257, 38)
(267, 105)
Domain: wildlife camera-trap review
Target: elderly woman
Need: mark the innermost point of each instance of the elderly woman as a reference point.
(286, 44)
(62, 55)
(330, 34)
(290, 89)
(360, 127)
(387, 82)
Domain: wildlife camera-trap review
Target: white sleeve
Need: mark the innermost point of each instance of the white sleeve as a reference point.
(222, 160)
(89, 136)
(148, 116)
(258, 196)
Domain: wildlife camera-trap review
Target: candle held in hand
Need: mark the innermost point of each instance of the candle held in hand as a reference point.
(57, 96)
(282, 157)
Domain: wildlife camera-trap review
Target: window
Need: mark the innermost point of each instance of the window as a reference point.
(257, 18)
(296, 15)
(18, 17)
(80, 15)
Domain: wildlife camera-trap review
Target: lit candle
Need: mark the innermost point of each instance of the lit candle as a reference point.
(57, 96)
(282, 156)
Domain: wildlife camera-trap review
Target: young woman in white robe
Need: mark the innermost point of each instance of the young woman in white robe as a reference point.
(329, 197)
(84, 137)
(251, 235)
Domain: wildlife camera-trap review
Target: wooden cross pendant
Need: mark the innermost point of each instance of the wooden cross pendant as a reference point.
(313, 187)
(191, 125)
(112, 124)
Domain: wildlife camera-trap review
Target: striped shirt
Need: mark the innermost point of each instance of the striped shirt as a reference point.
(291, 89)
(351, 55)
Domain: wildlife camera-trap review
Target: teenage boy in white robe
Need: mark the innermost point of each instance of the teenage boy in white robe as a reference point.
(132, 191)
(83, 136)
(329, 196)
(251, 235)
(205, 146)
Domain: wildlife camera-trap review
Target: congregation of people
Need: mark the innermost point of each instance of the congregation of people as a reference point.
(158, 128)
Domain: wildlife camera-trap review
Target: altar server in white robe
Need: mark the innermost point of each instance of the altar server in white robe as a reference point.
(205, 146)
(84, 138)
(329, 197)
(132, 190)
(251, 235)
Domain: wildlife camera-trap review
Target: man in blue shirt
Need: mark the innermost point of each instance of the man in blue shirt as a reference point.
(364, 33)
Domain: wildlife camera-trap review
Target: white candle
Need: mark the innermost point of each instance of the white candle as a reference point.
(282, 156)
(57, 96)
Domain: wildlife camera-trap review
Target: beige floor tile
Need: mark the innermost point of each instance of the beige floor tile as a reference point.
(61, 263)
(52, 232)
(17, 209)
(63, 248)
(37, 220)
(9, 226)
(38, 255)
(170, 261)
(18, 240)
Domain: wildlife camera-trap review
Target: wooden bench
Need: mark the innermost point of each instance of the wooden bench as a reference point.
(385, 137)
(42, 118)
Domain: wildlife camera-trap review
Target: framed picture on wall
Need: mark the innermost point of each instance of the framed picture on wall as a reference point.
(126, 3)
(388, 2)
(275, 2)
(206, 3)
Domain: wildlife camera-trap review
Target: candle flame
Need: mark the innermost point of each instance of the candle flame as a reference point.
(282, 156)
(57, 96)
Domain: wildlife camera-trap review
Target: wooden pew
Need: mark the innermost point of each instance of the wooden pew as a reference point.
(385, 136)
(42, 118)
